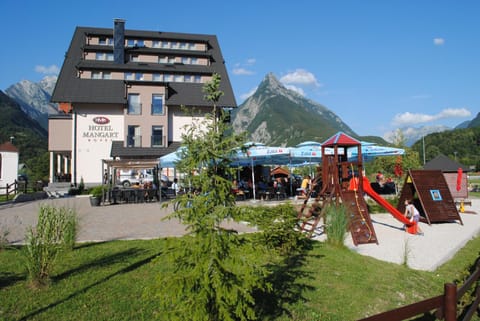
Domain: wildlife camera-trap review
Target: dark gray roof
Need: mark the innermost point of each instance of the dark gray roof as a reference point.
(70, 88)
(118, 150)
(445, 164)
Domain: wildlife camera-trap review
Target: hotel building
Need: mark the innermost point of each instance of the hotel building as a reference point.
(120, 94)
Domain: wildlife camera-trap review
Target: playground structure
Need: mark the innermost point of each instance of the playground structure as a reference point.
(342, 182)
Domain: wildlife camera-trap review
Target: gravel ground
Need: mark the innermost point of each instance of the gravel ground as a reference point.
(439, 243)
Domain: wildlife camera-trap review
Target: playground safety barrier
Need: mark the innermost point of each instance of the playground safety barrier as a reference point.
(445, 304)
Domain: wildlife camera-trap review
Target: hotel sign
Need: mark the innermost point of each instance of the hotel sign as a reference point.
(100, 130)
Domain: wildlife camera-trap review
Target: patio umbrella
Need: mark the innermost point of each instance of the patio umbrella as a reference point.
(370, 151)
(170, 160)
(259, 154)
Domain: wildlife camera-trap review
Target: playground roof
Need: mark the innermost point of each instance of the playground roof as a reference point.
(340, 138)
(445, 164)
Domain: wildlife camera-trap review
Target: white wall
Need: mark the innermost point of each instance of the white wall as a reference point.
(95, 133)
(9, 169)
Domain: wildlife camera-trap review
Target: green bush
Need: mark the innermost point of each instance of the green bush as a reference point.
(97, 191)
(55, 231)
(336, 224)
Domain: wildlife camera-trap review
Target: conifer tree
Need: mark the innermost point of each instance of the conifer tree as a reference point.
(212, 278)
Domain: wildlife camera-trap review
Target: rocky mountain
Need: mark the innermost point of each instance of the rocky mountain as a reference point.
(34, 98)
(277, 116)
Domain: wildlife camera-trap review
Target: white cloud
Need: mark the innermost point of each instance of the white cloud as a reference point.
(300, 77)
(47, 70)
(409, 118)
(246, 95)
(239, 69)
(242, 72)
(438, 41)
(296, 89)
(421, 96)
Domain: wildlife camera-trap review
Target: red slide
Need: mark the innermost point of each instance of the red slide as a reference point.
(411, 228)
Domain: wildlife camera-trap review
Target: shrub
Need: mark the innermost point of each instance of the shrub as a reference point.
(55, 231)
(336, 224)
(97, 191)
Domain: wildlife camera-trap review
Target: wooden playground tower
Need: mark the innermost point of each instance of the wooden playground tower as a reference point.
(338, 175)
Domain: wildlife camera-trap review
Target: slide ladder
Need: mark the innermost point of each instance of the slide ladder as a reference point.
(310, 218)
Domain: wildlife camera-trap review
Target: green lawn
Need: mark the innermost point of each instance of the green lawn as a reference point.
(107, 281)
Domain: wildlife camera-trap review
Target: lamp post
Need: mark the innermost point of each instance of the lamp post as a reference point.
(423, 143)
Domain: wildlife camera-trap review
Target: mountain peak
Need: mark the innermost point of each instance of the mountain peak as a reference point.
(276, 115)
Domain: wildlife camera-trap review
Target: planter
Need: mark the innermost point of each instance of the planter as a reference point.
(95, 201)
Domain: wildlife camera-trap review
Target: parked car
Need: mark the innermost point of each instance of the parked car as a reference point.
(131, 177)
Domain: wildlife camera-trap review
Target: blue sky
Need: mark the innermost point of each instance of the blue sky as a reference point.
(377, 64)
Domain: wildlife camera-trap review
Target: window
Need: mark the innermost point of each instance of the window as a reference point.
(157, 104)
(185, 60)
(188, 78)
(171, 60)
(129, 76)
(156, 44)
(96, 75)
(104, 56)
(194, 61)
(134, 105)
(168, 77)
(135, 42)
(157, 77)
(101, 75)
(157, 136)
(197, 78)
(134, 138)
(110, 56)
(138, 76)
(165, 44)
(162, 59)
(178, 78)
(134, 57)
(183, 45)
(104, 41)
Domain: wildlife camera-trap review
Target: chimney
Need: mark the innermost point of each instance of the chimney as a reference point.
(119, 41)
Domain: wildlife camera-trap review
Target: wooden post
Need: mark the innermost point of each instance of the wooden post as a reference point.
(450, 302)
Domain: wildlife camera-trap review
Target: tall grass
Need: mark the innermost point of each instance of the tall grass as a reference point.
(336, 224)
(55, 231)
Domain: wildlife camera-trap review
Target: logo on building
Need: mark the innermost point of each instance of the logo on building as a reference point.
(101, 120)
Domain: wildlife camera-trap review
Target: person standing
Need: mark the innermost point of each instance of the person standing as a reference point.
(412, 213)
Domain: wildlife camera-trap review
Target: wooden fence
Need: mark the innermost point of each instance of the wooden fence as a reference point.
(445, 305)
(12, 189)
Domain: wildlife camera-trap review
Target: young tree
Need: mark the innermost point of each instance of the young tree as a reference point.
(212, 279)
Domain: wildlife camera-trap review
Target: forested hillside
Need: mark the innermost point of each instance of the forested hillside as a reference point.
(462, 145)
(28, 136)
